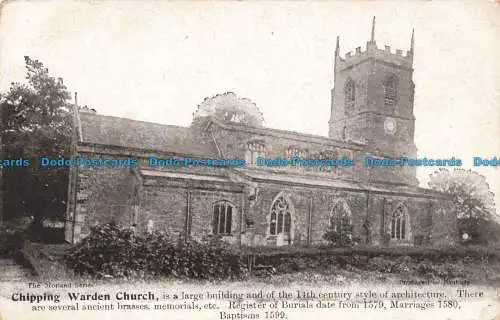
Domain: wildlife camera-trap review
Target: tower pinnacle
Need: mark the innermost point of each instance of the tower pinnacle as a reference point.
(373, 30)
(337, 47)
(412, 45)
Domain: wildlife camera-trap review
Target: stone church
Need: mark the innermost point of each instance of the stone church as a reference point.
(371, 114)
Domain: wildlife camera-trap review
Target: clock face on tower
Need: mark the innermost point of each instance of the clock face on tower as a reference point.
(390, 126)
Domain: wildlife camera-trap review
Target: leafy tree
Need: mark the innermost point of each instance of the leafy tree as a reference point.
(35, 122)
(228, 107)
(35, 115)
(473, 201)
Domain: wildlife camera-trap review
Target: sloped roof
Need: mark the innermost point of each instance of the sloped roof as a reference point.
(128, 133)
(183, 175)
(324, 181)
(291, 135)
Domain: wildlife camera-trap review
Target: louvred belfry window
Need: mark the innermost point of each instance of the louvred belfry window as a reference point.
(390, 90)
(350, 93)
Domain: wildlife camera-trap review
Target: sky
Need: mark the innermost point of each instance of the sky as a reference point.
(157, 60)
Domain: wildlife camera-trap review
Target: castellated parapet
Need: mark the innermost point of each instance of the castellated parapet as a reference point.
(373, 52)
(377, 54)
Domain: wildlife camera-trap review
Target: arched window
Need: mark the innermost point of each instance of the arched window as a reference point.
(340, 219)
(254, 150)
(350, 93)
(281, 217)
(398, 224)
(391, 90)
(222, 217)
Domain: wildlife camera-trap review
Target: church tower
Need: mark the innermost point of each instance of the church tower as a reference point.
(372, 100)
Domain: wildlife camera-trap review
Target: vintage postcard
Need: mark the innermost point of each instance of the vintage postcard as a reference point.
(250, 160)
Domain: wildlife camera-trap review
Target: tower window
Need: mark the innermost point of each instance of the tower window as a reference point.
(412, 91)
(390, 90)
(350, 93)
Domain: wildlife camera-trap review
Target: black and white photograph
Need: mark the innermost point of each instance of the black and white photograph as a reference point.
(250, 160)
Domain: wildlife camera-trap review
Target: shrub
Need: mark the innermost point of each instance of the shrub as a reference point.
(341, 239)
(11, 240)
(157, 254)
(441, 270)
(218, 259)
(380, 264)
(108, 251)
(113, 251)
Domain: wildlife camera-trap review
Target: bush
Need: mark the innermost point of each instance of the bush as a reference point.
(115, 252)
(108, 251)
(157, 254)
(11, 240)
(337, 239)
(380, 264)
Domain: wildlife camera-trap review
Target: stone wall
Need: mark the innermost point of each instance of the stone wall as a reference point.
(233, 143)
(103, 195)
(177, 209)
(185, 206)
(428, 223)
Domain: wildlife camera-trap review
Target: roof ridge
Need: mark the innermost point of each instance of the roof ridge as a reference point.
(129, 119)
(137, 134)
(237, 126)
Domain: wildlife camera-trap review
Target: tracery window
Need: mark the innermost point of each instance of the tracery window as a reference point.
(222, 217)
(350, 93)
(281, 217)
(339, 218)
(398, 224)
(255, 149)
(390, 90)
